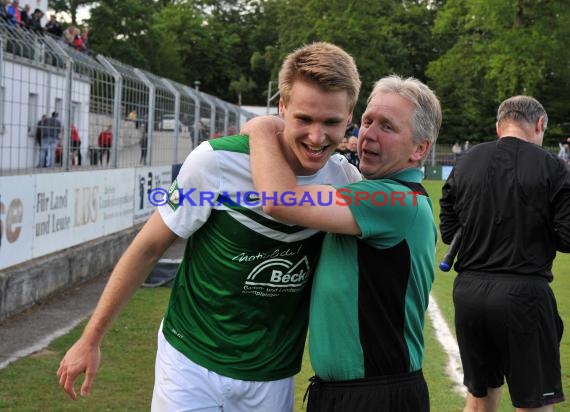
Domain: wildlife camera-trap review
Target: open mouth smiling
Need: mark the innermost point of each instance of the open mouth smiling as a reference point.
(368, 152)
(315, 149)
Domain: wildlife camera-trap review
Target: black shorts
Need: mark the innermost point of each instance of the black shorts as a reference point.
(508, 326)
(394, 393)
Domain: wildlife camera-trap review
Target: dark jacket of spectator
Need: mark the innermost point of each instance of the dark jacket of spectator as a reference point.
(3, 10)
(36, 21)
(52, 127)
(54, 27)
(25, 16)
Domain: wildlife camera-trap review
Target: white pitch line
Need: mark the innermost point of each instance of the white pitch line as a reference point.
(449, 344)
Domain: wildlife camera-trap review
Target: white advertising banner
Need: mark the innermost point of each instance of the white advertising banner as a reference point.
(73, 208)
(116, 201)
(148, 179)
(41, 214)
(16, 219)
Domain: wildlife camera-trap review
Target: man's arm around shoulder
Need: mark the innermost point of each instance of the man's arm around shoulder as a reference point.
(314, 206)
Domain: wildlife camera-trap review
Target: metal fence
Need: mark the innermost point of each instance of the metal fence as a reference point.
(153, 120)
(442, 154)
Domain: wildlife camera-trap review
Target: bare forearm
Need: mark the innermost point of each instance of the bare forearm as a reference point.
(119, 289)
(133, 267)
(127, 276)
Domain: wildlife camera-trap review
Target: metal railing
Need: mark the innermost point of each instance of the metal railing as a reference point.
(154, 120)
(442, 154)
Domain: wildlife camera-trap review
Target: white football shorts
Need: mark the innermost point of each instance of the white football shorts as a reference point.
(180, 385)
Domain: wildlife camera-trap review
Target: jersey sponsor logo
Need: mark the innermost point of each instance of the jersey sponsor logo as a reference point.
(174, 195)
(276, 253)
(276, 276)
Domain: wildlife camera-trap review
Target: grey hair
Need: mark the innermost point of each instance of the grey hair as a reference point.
(426, 120)
(520, 109)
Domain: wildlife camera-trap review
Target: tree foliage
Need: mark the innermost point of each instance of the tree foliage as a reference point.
(70, 7)
(500, 48)
(474, 53)
(383, 36)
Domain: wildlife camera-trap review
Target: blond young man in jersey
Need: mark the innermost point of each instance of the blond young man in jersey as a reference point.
(233, 335)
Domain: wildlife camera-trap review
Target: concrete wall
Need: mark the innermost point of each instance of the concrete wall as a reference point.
(27, 284)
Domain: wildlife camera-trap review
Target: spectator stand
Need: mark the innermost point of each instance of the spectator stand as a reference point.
(89, 109)
(40, 74)
(30, 70)
(207, 117)
(202, 115)
(165, 102)
(189, 110)
(133, 94)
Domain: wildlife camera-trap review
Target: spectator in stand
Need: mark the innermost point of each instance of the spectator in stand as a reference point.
(144, 144)
(352, 130)
(36, 21)
(563, 150)
(53, 26)
(75, 147)
(72, 36)
(105, 142)
(341, 146)
(352, 153)
(25, 17)
(14, 14)
(49, 137)
(203, 132)
(40, 130)
(132, 117)
(78, 42)
(85, 38)
(456, 151)
(4, 10)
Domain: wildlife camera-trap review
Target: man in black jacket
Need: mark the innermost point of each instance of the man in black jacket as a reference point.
(36, 21)
(511, 201)
(54, 27)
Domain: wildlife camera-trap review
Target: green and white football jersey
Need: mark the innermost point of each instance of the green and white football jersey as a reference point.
(239, 304)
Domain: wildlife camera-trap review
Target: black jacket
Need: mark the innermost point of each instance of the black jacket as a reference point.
(512, 200)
